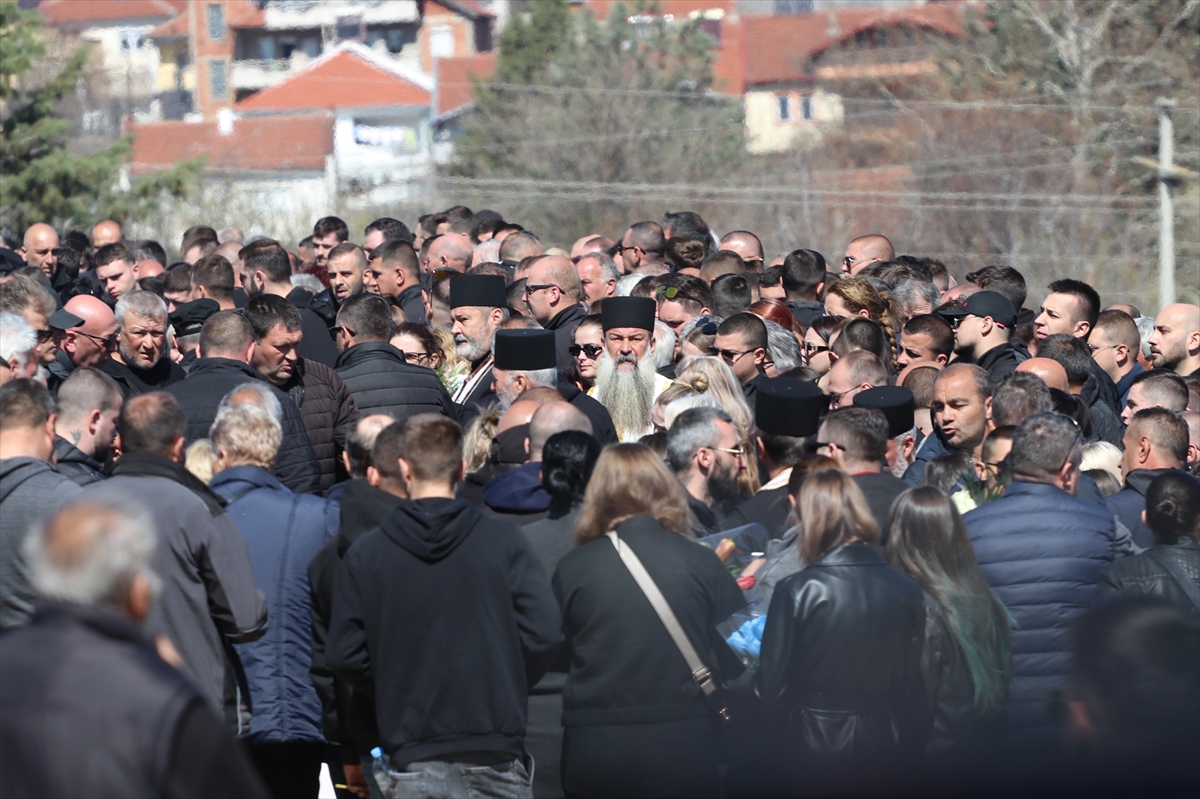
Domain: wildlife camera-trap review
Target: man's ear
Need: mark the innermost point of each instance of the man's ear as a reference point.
(249, 354)
(1143, 449)
(987, 408)
(138, 601)
(51, 420)
(93, 421)
(820, 289)
(1082, 329)
(179, 450)
(346, 462)
(373, 477)
(405, 473)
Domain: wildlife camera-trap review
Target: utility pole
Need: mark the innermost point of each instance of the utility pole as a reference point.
(1166, 208)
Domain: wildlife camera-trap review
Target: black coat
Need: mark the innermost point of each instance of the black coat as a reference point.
(1000, 362)
(439, 577)
(768, 507)
(881, 490)
(134, 381)
(1128, 503)
(207, 384)
(412, 302)
(328, 411)
(71, 462)
(602, 425)
(1145, 574)
(316, 344)
(841, 664)
(624, 667)
(136, 726)
(325, 305)
(564, 325)
(381, 381)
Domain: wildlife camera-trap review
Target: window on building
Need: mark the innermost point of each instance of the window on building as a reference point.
(395, 40)
(806, 107)
(215, 16)
(784, 107)
(782, 7)
(286, 48)
(441, 42)
(131, 40)
(311, 46)
(712, 27)
(218, 80)
(266, 49)
(349, 27)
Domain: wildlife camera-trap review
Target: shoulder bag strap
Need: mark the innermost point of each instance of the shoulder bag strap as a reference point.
(1188, 585)
(700, 672)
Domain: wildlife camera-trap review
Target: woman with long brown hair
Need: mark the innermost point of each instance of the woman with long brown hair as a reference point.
(855, 296)
(636, 724)
(966, 657)
(841, 650)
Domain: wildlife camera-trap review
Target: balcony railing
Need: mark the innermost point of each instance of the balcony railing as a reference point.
(260, 73)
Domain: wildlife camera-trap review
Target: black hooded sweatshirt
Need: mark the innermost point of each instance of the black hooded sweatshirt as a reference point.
(446, 617)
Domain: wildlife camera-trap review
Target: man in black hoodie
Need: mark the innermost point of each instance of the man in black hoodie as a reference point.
(470, 591)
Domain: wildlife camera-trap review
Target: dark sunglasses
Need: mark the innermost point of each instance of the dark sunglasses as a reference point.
(813, 349)
(591, 350)
(706, 326)
(44, 335)
(675, 293)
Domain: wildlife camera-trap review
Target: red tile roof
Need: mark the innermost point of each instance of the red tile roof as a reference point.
(454, 87)
(66, 12)
(349, 77)
(176, 28)
(293, 141)
(784, 45)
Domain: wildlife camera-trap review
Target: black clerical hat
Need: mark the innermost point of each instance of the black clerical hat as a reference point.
(525, 350)
(627, 312)
(896, 402)
(789, 407)
(190, 317)
(488, 291)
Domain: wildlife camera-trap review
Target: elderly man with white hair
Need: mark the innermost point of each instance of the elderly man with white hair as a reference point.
(18, 348)
(626, 381)
(283, 531)
(93, 567)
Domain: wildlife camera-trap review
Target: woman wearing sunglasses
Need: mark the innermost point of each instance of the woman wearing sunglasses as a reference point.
(815, 346)
(587, 345)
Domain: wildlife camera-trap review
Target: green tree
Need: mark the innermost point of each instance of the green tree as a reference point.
(580, 104)
(42, 181)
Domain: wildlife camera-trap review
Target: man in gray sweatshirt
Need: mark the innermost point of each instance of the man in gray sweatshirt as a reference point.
(30, 489)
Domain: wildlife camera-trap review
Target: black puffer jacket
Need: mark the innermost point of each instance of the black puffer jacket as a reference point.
(381, 381)
(1145, 574)
(841, 666)
(328, 411)
(201, 393)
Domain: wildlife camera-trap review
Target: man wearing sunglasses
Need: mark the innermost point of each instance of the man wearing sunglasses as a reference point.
(983, 331)
(643, 249)
(681, 298)
(866, 250)
(742, 344)
(553, 293)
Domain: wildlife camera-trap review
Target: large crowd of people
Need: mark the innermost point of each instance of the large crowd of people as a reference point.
(452, 512)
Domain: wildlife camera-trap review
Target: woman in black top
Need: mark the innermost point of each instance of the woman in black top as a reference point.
(636, 724)
(966, 658)
(841, 651)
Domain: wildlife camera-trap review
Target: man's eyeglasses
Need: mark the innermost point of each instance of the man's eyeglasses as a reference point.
(106, 343)
(591, 350)
(729, 356)
(675, 293)
(442, 274)
(836, 399)
(828, 444)
(44, 335)
(1097, 348)
(849, 261)
(344, 329)
(531, 289)
(737, 453)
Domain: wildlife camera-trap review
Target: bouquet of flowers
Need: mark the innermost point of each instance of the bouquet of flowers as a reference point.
(742, 550)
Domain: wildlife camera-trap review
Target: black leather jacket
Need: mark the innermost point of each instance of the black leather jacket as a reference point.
(1144, 574)
(841, 664)
(960, 737)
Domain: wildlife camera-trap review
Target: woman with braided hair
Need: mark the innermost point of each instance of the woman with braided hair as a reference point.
(855, 296)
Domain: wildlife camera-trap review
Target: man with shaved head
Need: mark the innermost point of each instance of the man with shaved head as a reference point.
(1175, 342)
(519, 246)
(746, 245)
(643, 249)
(105, 233)
(89, 402)
(866, 250)
(518, 494)
(554, 293)
(41, 241)
(1051, 372)
(450, 252)
(1156, 440)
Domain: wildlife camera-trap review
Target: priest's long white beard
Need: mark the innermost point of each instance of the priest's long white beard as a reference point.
(627, 394)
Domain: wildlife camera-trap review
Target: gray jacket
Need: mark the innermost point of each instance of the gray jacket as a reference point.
(208, 597)
(30, 492)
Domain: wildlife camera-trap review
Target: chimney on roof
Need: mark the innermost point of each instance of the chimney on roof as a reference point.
(833, 29)
(225, 121)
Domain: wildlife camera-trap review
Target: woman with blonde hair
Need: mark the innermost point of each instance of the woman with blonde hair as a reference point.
(841, 650)
(711, 376)
(855, 296)
(636, 724)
